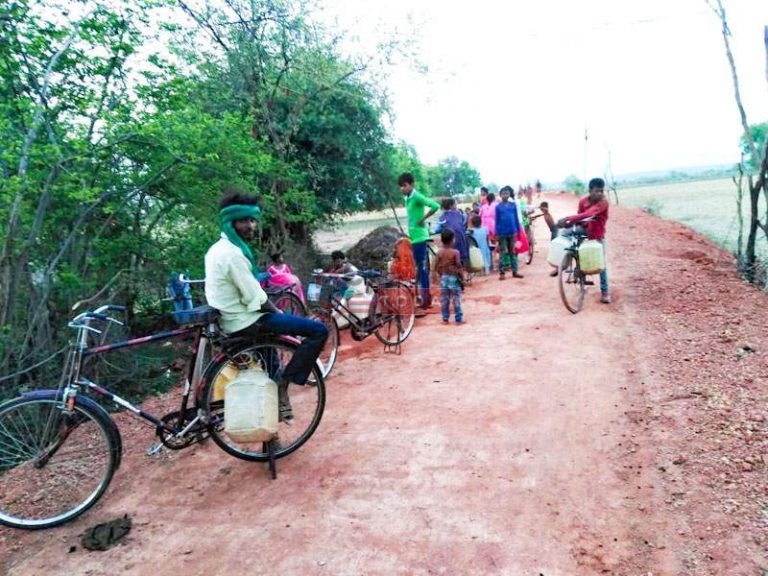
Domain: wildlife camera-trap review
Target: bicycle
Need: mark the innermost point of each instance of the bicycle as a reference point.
(572, 280)
(285, 299)
(60, 448)
(391, 311)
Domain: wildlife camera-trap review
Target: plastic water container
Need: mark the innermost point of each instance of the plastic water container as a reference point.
(228, 373)
(591, 259)
(475, 259)
(360, 304)
(557, 250)
(251, 407)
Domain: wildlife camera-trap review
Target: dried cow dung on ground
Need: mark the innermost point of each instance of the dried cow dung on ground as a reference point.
(104, 536)
(375, 249)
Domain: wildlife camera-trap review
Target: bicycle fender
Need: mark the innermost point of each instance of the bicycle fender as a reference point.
(91, 405)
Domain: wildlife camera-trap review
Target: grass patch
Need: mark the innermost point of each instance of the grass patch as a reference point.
(709, 207)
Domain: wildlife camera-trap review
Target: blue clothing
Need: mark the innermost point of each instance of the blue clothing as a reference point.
(314, 335)
(422, 273)
(450, 291)
(604, 271)
(481, 239)
(506, 219)
(452, 219)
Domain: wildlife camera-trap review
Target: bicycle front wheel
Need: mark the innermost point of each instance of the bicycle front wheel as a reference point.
(394, 311)
(54, 465)
(572, 287)
(272, 356)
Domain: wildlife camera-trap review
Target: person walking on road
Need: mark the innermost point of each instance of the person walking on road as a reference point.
(507, 226)
(595, 206)
(418, 231)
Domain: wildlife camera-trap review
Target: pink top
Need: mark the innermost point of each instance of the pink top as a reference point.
(282, 275)
(488, 217)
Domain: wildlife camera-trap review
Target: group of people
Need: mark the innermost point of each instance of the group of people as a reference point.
(233, 287)
(503, 225)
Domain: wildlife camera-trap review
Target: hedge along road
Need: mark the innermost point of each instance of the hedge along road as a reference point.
(527, 441)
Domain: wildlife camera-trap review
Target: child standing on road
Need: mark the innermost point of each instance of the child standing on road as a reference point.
(282, 275)
(449, 269)
(544, 207)
(551, 224)
(480, 234)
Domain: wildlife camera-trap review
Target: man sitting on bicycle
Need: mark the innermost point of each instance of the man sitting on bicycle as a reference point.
(232, 288)
(595, 207)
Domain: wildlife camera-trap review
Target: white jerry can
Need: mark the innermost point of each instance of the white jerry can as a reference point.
(557, 250)
(360, 304)
(591, 259)
(251, 407)
(475, 259)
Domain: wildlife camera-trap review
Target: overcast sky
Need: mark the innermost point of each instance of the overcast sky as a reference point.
(512, 86)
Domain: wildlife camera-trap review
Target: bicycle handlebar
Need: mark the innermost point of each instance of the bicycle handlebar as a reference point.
(81, 321)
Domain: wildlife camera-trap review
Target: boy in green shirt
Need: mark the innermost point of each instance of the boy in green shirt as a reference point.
(418, 231)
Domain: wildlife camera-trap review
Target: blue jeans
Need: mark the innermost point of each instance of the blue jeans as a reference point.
(604, 271)
(422, 274)
(314, 335)
(450, 291)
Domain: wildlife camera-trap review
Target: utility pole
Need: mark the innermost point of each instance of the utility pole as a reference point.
(586, 146)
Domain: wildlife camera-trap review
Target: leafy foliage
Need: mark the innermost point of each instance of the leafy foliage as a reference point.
(575, 185)
(759, 134)
(114, 152)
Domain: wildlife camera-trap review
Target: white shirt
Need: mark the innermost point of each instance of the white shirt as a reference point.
(231, 287)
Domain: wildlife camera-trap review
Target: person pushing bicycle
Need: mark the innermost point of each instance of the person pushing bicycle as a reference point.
(594, 206)
(232, 288)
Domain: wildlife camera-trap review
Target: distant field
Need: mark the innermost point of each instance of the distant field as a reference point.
(709, 207)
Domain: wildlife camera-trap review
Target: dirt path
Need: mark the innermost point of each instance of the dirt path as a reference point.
(629, 439)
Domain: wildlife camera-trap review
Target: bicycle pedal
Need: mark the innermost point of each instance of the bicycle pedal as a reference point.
(155, 449)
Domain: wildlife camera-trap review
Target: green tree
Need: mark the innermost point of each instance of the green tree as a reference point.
(575, 185)
(759, 134)
(458, 176)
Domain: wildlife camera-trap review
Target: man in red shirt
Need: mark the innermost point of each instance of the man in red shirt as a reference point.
(595, 206)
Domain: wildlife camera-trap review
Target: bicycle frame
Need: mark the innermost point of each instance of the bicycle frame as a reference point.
(80, 351)
(346, 313)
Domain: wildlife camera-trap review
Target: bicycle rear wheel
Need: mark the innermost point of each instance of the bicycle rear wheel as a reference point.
(572, 287)
(53, 465)
(272, 356)
(394, 311)
(327, 357)
(289, 303)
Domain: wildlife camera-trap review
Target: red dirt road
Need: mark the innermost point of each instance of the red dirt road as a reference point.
(629, 439)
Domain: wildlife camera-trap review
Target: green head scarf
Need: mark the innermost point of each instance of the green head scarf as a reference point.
(227, 216)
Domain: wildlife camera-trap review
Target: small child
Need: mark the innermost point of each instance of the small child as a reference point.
(550, 221)
(544, 207)
(448, 267)
(480, 234)
(282, 275)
